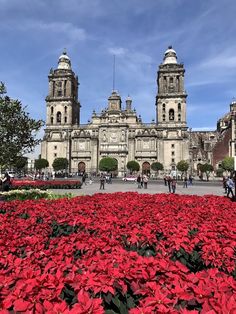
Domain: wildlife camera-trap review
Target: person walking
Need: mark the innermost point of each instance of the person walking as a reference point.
(145, 181)
(165, 180)
(139, 181)
(173, 185)
(168, 179)
(224, 184)
(185, 182)
(6, 182)
(190, 180)
(84, 178)
(102, 182)
(230, 186)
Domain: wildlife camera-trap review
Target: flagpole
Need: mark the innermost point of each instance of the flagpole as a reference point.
(114, 68)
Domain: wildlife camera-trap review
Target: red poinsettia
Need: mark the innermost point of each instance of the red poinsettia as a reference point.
(148, 253)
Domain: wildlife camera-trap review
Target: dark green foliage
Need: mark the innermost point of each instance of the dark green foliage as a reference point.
(78, 254)
(21, 163)
(182, 166)
(192, 232)
(68, 294)
(24, 216)
(133, 166)
(192, 261)
(188, 305)
(39, 220)
(234, 273)
(17, 129)
(59, 230)
(40, 164)
(120, 303)
(142, 249)
(60, 164)
(157, 166)
(108, 164)
(228, 164)
(206, 168)
(160, 236)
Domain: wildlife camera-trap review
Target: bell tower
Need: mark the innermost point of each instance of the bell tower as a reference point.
(114, 101)
(171, 96)
(63, 107)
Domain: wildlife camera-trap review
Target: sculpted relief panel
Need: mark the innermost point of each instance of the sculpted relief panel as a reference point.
(146, 145)
(113, 137)
(81, 145)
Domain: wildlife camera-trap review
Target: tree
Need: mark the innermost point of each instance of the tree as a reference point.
(41, 163)
(133, 165)
(60, 164)
(20, 163)
(228, 164)
(182, 166)
(17, 129)
(108, 164)
(207, 169)
(157, 166)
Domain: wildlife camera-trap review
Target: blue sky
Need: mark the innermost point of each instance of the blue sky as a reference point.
(35, 32)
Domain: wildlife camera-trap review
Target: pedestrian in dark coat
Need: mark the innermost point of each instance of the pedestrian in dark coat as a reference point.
(6, 182)
(102, 182)
(173, 185)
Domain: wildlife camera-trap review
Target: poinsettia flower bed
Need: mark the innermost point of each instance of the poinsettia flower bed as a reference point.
(118, 253)
(44, 185)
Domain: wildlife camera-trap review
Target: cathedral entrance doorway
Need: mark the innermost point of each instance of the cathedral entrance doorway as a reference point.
(146, 168)
(81, 167)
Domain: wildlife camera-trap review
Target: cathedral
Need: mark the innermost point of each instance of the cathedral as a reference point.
(119, 132)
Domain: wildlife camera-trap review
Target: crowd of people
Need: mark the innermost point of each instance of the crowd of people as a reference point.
(141, 179)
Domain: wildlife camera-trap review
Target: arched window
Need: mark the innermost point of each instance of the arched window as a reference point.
(164, 107)
(58, 117)
(65, 119)
(179, 117)
(179, 107)
(52, 110)
(171, 114)
(51, 120)
(164, 117)
(65, 109)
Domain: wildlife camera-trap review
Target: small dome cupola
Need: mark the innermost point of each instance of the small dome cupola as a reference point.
(64, 62)
(170, 56)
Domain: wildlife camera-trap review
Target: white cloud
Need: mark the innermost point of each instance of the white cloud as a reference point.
(62, 28)
(117, 51)
(226, 59)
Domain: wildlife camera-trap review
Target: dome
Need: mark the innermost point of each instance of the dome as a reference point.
(170, 56)
(64, 62)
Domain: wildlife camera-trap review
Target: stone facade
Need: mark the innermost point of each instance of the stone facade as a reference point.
(119, 132)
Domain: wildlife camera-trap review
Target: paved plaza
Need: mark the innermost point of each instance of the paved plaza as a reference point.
(198, 188)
